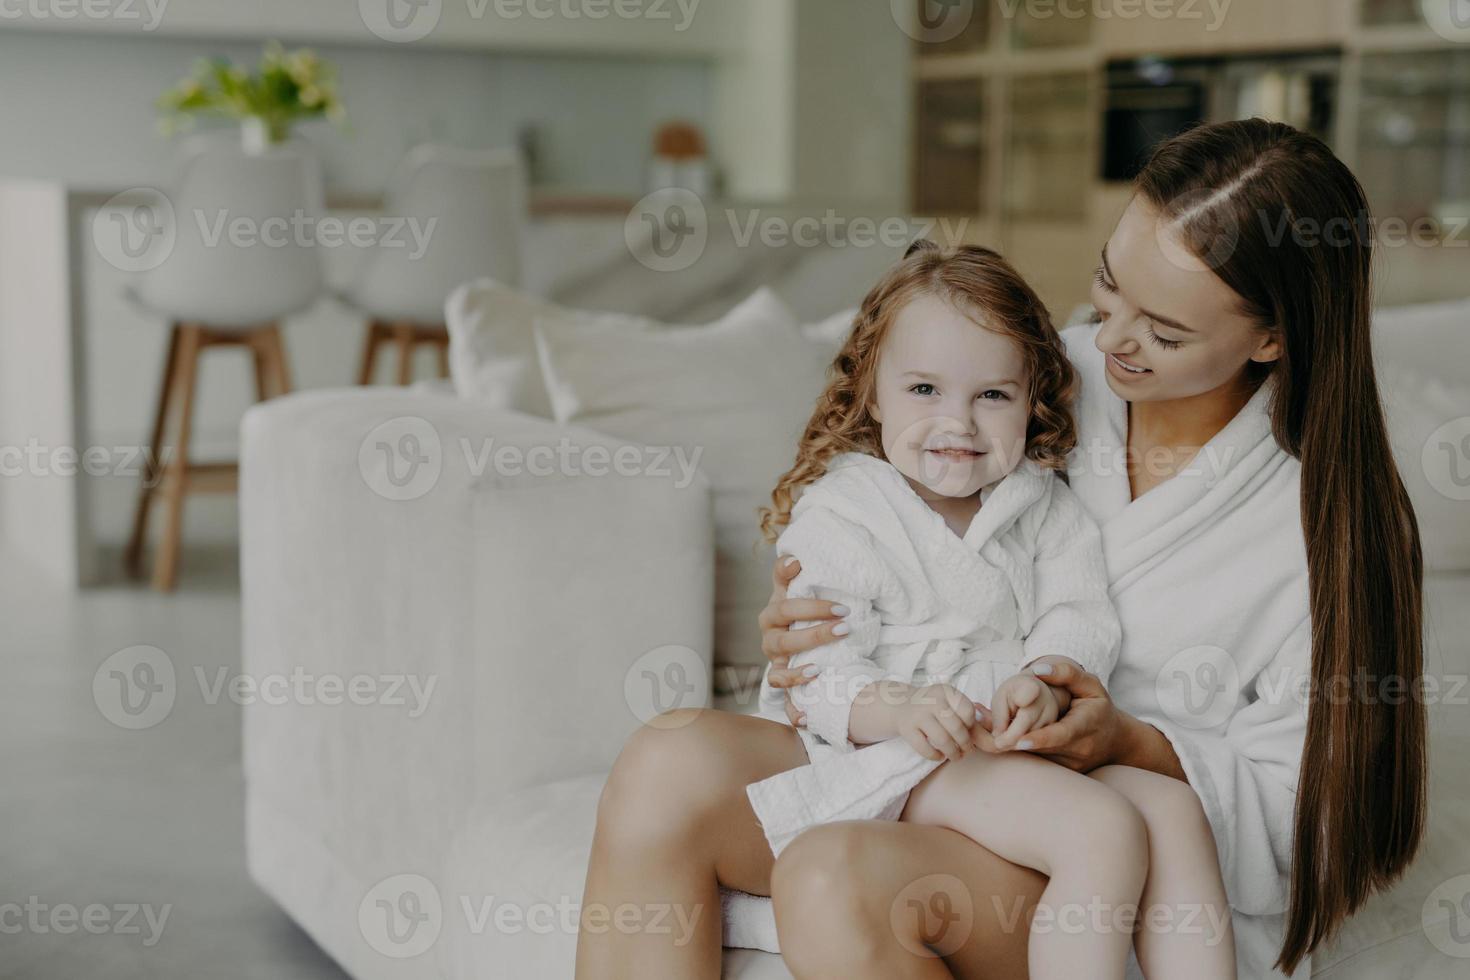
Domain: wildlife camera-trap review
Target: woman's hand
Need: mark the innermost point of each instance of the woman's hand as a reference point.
(1093, 732)
(779, 643)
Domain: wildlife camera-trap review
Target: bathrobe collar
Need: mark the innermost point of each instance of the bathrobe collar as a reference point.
(1239, 456)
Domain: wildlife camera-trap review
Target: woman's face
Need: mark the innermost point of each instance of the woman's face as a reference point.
(951, 398)
(1171, 328)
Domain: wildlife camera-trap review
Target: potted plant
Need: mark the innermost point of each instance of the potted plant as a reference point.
(287, 85)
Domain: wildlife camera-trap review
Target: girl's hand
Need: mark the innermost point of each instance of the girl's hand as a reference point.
(937, 722)
(779, 643)
(1093, 732)
(1022, 704)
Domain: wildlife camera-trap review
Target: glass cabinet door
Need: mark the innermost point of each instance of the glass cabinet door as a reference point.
(949, 165)
(1049, 159)
(1414, 134)
(1046, 25)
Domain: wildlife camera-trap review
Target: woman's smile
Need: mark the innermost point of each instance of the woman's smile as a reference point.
(1126, 370)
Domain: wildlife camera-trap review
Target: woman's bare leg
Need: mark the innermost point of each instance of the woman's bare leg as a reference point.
(674, 824)
(1185, 927)
(896, 900)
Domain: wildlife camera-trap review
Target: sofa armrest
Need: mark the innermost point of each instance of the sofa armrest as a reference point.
(481, 632)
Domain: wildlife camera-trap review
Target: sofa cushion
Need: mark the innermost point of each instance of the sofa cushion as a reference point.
(492, 350)
(732, 397)
(527, 853)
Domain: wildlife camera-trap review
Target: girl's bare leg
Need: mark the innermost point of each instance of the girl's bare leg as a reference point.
(1085, 836)
(674, 824)
(1184, 918)
(892, 900)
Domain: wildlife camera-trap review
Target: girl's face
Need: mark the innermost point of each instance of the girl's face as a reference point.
(1171, 328)
(952, 400)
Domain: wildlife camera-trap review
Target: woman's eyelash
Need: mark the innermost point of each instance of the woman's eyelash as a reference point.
(1165, 344)
(1101, 279)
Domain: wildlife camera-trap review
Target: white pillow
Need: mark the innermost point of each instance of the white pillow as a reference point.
(492, 347)
(738, 393)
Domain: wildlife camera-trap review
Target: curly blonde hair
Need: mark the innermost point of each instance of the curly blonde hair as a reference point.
(978, 282)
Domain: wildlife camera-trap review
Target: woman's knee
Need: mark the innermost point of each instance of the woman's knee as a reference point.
(665, 777)
(823, 915)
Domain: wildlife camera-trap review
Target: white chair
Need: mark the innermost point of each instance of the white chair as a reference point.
(471, 207)
(241, 261)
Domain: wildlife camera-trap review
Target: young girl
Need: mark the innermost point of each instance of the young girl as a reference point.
(930, 509)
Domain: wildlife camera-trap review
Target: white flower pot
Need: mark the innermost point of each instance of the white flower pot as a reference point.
(255, 135)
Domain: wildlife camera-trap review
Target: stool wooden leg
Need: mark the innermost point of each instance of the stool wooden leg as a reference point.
(176, 475)
(403, 334)
(260, 356)
(275, 345)
(443, 344)
(133, 556)
(371, 342)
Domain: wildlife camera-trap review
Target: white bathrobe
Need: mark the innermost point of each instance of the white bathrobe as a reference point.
(1027, 579)
(1209, 579)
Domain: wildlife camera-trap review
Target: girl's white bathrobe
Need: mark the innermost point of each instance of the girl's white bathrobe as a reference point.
(927, 607)
(1208, 574)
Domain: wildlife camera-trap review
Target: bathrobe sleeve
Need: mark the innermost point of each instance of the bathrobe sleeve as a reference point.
(1245, 772)
(839, 555)
(1074, 615)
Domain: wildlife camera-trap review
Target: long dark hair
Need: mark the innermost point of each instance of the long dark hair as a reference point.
(1286, 226)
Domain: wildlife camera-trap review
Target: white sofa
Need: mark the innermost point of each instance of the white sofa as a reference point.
(453, 844)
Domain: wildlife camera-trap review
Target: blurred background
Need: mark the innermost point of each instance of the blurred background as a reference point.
(650, 159)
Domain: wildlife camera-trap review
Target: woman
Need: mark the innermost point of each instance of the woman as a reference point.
(1262, 553)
